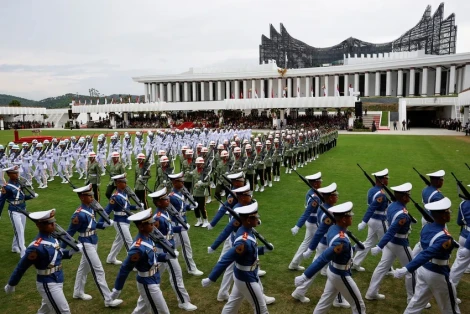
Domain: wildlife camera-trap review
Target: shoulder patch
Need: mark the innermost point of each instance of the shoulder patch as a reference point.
(405, 211)
(380, 199)
(135, 257)
(75, 220)
(230, 200)
(112, 201)
(447, 244)
(314, 204)
(341, 235)
(339, 248)
(157, 224)
(446, 232)
(240, 248)
(236, 223)
(402, 221)
(159, 214)
(327, 221)
(3, 190)
(38, 242)
(138, 242)
(33, 256)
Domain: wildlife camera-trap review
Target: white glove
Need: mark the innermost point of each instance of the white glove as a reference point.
(188, 226)
(209, 227)
(375, 250)
(177, 253)
(210, 250)
(9, 289)
(206, 282)
(361, 226)
(299, 280)
(80, 249)
(199, 182)
(295, 230)
(36, 195)
(111, 223)
(194, 206)
(400, 272)
(307, 253)
(115, 294)
(268, 250)
(142, 205)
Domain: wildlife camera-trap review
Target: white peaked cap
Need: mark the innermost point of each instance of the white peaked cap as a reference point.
(443, 204)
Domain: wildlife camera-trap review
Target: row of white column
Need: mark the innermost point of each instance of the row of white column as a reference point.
(159, 92)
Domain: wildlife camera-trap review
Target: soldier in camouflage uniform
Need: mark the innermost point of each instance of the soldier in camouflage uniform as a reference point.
(115, 168)
(268, 163)
(142, 175)
(93, 175)
(200, 179)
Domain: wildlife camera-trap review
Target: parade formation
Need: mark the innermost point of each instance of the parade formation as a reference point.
(182, 171)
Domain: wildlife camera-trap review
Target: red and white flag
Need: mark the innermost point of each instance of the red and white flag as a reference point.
(241, 95)
(232, 96)
(337, 90)
(272, 93)
(256, 93)
(138, 100)
(311, 91)
(283, 93)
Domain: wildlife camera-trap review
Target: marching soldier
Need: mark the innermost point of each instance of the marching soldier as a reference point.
(115, 168)
(142, 175)
(338, 255)
(120, 205)
(13, 193)
(244, 254)
(45, 254)
(375, 217)
(93, 175)
(178, 201)
(200, 178)
(163, 223)
(277, 159)
(432, 263)
(144, 257)
(309, 218)
(83, 221)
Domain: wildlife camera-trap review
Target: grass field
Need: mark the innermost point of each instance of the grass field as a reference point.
(280, 207)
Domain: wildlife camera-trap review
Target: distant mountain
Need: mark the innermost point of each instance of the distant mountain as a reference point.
(61, 101)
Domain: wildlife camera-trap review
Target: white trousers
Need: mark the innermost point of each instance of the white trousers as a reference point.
(40, 174)
(53, 298)
(375, 232)
(150, 300)
(227, 279)
(18, 221)
(430, 284)
(182, 240)
(461, 262)
(176, 279)
(90, 261)
(81, 165)
(63, 171)
(50, 166)
(389, 254)
(252, 291)
(303, 288)
(347, 287)
(123, 237)
(310, 229)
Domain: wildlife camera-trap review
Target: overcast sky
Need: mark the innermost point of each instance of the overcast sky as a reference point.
(52, 47)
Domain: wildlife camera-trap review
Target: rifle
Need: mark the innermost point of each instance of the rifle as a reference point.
(94, 205)
(185, 192)
(235, 215)
(423, 212)
(462, 188)
(327, 213)
(44, 151)
(25, 185)
(467, 166)
(425, 180)
(390, 194)
(158, 237)
(59, 233)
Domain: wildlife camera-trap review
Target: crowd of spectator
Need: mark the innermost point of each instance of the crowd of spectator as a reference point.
(449, 124)
(27, 125)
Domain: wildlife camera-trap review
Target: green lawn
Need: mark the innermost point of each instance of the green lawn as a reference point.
(384, 119)
(280, 207)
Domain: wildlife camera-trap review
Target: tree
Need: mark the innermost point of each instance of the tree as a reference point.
(14, 103)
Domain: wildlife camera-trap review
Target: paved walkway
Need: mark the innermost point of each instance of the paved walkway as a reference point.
(413, 131)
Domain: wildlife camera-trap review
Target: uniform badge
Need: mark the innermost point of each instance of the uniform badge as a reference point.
(447, 244)
(314, 204)
(230, 200)
(3, 190)
(405, 211)
(380, 199)
(328, 221)
(446, 232)
(33, 256)
(341, 235)
(339, 248)
(236, 223)
(37, 242)
(111, 201)
(240, 248)
(402, 221)
(135, 257)
(138, 242)
(75, 220)
(245, 236)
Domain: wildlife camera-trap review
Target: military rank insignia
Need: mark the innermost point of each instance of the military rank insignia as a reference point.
(240, 248)
(135, 257)
(112, 201)
(339, 248)
(236, 223)
(328, 221)
(33, 256)
(380, 199)
(447, 244)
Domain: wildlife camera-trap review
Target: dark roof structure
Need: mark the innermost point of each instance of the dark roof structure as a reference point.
(433, 33)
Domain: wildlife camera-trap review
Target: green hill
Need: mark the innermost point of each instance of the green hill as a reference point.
(59, 101)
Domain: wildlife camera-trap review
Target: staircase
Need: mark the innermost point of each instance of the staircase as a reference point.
(367, 121)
